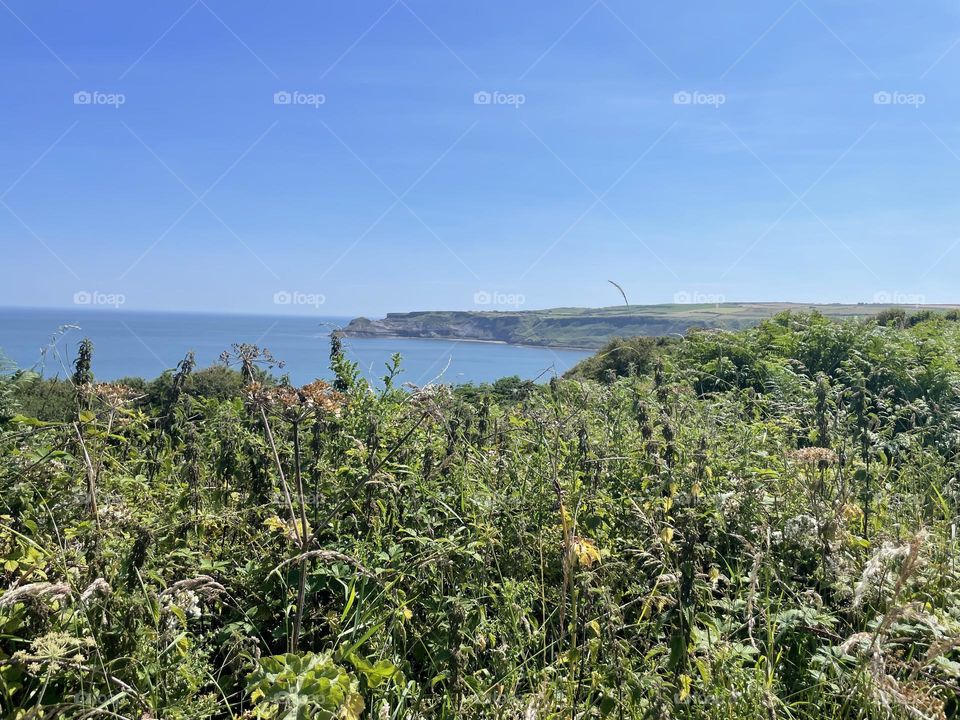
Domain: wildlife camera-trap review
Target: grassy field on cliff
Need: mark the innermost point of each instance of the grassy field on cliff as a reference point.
(749, 524)
(590, 328)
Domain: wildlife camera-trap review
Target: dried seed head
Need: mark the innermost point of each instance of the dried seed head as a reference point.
(295, 404)
(34, 591)
(114, 395)
(817, 457)
(97, 587)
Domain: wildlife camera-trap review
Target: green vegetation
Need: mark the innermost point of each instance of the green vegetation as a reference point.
(593, 327)
(53, 399)
(750, 524)
(621, 357)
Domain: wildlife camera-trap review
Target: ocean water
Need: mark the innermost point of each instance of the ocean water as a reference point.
(144, 344)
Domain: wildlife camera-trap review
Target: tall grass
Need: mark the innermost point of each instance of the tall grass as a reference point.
(758, 524)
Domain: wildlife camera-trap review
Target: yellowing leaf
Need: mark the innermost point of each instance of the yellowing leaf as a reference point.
(585, 551)
(275, 523)
(352, 707)
(183, 645)
(287, 527)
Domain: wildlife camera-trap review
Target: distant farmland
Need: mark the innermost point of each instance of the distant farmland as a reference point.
(592, 327)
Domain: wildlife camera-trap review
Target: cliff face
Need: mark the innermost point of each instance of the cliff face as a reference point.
(448, 325)
(590, 328)
(582, 330)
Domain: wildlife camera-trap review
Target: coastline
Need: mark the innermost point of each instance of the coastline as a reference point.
(542, 346)
(591, 328)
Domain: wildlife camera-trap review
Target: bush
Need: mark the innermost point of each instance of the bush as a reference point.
(620, 357)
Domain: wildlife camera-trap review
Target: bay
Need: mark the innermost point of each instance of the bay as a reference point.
(144, 344)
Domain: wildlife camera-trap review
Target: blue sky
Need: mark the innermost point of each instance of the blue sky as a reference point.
(685, 150)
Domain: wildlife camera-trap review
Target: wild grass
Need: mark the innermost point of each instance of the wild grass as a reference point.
(759, 524)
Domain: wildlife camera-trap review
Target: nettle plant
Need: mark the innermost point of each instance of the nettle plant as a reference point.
(759, 523)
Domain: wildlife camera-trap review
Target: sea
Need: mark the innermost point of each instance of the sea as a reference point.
(144, 344)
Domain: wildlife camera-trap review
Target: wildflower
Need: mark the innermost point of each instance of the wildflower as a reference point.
(114, 514)
(714, 575)
(285, 398)
(800, 528)
(181, 605)
(86, 390)
(55, 649)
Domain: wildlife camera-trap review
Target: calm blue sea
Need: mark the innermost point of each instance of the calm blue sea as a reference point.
(129, 343)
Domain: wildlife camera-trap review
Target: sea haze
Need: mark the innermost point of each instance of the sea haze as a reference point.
(144, 344)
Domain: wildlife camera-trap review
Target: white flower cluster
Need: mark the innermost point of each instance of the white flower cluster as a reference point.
(800, 528)
(878, 570)
(184, 599)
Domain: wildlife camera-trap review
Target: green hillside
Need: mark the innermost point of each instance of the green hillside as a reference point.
(592, 327)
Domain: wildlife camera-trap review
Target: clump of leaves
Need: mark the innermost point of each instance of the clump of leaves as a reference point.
(302, 687)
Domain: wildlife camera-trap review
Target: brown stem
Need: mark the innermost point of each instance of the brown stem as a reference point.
(299, 479)
(302, 585)
(283, 480)
(91, 479)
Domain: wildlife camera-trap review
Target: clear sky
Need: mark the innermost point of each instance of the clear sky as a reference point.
(437, 154)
